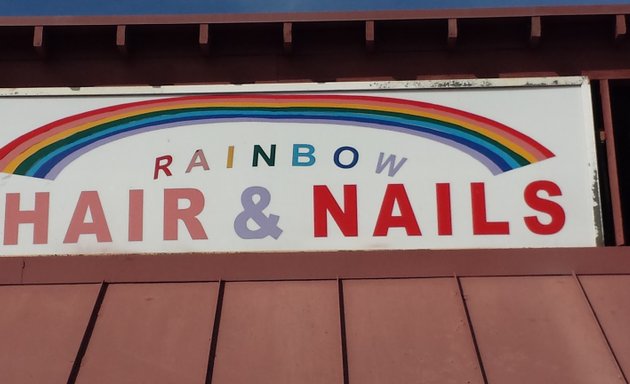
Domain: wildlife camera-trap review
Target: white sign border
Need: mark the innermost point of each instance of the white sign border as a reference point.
(426, 85)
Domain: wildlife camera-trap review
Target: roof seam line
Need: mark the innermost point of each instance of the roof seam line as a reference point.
(76, 366)
(471, 328)
(215, 332)
(599, 326)
(342, 329)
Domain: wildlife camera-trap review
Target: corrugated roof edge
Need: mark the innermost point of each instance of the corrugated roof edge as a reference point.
(316, 16)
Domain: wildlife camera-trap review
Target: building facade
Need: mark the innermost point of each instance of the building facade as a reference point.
(501, 314)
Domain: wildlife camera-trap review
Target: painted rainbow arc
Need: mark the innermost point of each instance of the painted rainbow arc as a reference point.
(46, 151)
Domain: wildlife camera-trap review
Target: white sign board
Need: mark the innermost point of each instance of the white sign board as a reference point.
(345, 166)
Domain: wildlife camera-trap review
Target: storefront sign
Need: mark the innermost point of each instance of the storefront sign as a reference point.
(420, 165)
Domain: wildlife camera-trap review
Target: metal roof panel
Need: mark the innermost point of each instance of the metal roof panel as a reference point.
(151, 333)
(408, 331)
(537, 330)
(41, 328)
(279, 332)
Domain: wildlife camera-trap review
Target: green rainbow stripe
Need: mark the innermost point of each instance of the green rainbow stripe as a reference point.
(47, 150)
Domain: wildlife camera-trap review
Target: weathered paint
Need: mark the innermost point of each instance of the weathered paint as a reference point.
(299, 87)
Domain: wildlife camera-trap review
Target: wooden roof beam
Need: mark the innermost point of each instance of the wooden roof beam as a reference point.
(204, 38)
(38, 40)
(535, 33)
(121, 39)
(287, 37)
(621, 28)
(452, 33)
(369, 35)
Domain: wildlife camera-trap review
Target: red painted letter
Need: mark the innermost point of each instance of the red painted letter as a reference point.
(38, 217)
(444, 214)
(324, 202)
(172, 213)
(161, 164)
(396, 193)
(553, 209)
(88, 200)
(481, 225)
(136, 215)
